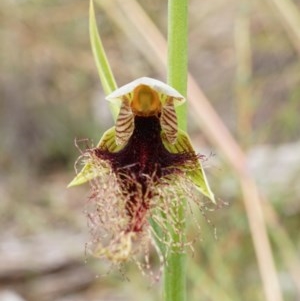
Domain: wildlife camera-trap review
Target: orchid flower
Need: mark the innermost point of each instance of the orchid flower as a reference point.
(140, 167)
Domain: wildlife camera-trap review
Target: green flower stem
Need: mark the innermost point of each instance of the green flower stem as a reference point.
(177, 53)
(175, 267)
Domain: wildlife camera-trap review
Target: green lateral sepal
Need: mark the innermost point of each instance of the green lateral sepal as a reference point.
(88, 172)
(197, 174)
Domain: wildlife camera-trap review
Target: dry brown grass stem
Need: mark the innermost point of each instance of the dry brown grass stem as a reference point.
(131, 18)
(120, 13)
(289, 16)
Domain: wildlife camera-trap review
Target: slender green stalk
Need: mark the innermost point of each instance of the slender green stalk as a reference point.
(175, 267)
(177, 53)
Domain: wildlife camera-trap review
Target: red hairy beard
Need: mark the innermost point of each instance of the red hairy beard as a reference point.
(140, 165)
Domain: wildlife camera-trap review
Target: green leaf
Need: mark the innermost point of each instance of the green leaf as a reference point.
(106, 76)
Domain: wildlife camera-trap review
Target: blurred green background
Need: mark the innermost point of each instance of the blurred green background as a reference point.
(245, 58)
